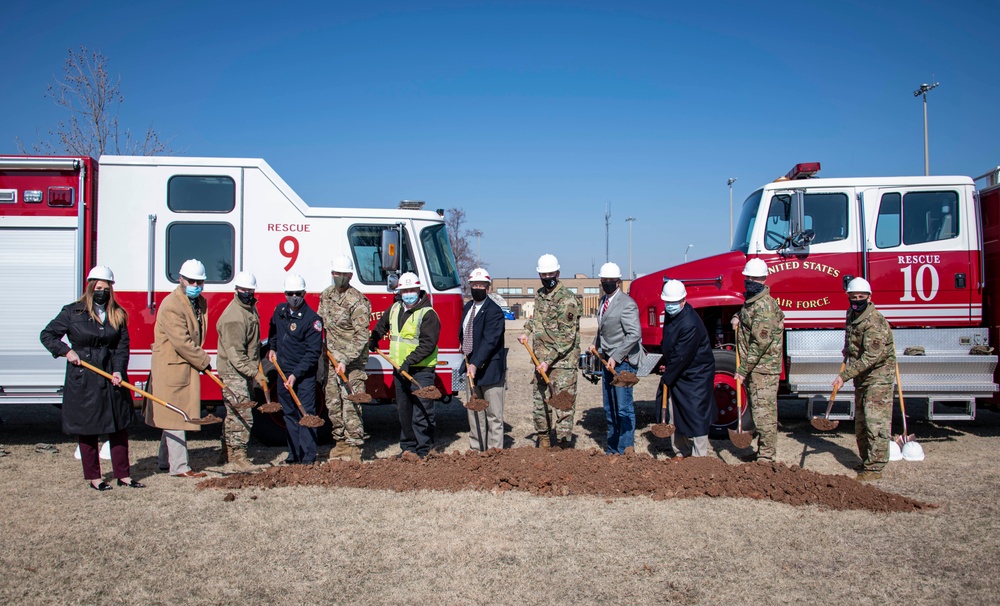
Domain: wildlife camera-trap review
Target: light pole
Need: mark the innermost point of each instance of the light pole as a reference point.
(730, 184)
(478, 234)
(630, 220)
(690, 246)
(923, 90)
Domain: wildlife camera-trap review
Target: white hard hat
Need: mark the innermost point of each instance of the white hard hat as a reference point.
(294, 283)
(193, 269)
(547, 264)
(673, 291)
(913, 452)
(755, 268)
(479, 275)
(342, 264)
(859, 285)
(610, 270)
(245, 279)
(895, 454)
(102, 272)
(408, 280)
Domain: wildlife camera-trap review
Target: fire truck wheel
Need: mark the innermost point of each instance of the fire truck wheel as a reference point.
(725, 397)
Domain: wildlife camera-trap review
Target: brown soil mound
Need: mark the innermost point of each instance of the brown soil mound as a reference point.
(578, 472)
(625, 379)
(562, 401)
(428, 393)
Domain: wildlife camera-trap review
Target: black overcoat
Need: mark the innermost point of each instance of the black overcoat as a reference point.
(689, 371)
(91, 405)
(489, 355)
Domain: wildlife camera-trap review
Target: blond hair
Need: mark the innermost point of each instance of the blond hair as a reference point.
(116, 314)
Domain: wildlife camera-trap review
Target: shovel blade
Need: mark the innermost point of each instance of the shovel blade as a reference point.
(311, 421)
(562, 401)
(625, 379)
(663, 430)
(430, 393)
(271, 407)
(477, 404)
(360, 398)
(823, 424)
(740, 439)
(205, 420)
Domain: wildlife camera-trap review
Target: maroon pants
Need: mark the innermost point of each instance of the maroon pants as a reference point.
(90, 456)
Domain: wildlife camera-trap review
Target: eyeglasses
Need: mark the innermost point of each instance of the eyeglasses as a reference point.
(298, 293)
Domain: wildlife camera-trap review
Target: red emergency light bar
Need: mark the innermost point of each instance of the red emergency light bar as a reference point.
(803, 170)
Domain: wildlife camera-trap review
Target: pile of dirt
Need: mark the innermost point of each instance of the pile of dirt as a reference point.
(579, 472)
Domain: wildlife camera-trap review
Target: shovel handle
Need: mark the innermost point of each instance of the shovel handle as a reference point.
(472, 383)
(607, 364)
(333, 361)
(833, 396)
(223, 386)
(295, 398)
(141, 392)
(739, 393)
(535, 360)
(400, 370)
(902, 405)
(663, 405)
(263, 383)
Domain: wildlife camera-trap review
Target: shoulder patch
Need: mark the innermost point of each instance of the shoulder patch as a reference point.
(318, 326)
(876, 344)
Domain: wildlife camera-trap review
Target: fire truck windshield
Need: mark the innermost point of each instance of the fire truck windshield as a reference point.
(748, 216)
(440, 259)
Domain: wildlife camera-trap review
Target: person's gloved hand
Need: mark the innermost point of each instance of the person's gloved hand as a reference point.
(405, 367)
(260, 379)
(373, 344)
(208, 368)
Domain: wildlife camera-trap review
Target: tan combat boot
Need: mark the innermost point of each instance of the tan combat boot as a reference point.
(868, 475)
(239, 460)
(544, 439)
(355, 452)
(341, 451)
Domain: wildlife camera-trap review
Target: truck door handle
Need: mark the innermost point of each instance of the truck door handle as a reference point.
(959, 280)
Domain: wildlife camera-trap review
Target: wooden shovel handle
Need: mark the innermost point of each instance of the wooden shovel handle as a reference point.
(902, 405)
(141, 392)
(295, 398)
(263, 384)
(739, 392)
(401, 371)
(833, 396)
(535, 360)
(607, 363)
(333, 361)
(472, 384)
(223, 386)
(663, 405)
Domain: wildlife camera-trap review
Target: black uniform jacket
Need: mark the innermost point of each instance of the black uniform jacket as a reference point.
(489, 355)
(296, 338)
(91, 405)
(689, 371)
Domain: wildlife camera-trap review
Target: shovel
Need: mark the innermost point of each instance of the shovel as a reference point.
(206, 420)
(355, 398)
(906, 437)
(559, 401)
(430, 392)
(238, 406)
(269, 406)
(621, 379)
(824, 423)
(473, 403)
(663, 429)
(739, 438)
(307, 419)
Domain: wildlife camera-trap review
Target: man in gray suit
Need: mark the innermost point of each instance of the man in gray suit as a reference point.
(617, 339)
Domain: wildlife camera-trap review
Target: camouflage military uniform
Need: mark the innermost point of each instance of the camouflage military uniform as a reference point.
(870, 355)
(237, 361)
(762, 325)
(346, 316)
(555, 334)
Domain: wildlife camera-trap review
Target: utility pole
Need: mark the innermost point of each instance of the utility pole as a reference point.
(690, 246)
(923, 90)
(607, 232)
(730, 184)
(630, 221)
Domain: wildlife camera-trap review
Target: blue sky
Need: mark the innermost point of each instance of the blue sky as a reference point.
(532, 116)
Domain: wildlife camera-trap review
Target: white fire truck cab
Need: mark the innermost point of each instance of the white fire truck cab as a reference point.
(919, 241)
(144, 216)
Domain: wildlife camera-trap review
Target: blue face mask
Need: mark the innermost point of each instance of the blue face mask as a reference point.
(192, 291)
(409, 298)
(672, 308)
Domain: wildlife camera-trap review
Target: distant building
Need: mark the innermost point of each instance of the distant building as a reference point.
(520, 292)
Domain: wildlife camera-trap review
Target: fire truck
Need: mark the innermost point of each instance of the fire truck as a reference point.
(144, 216)
(929, 246)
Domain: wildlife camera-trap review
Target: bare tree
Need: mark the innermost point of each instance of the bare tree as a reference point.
(93, 97)
(461, 244)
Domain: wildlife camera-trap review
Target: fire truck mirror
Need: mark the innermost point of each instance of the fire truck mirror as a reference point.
(801, 240)
(847, 280)
(391, 282)
(390, 251)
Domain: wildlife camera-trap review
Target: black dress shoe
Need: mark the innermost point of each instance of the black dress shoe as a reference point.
(102, 486)
(131, 484)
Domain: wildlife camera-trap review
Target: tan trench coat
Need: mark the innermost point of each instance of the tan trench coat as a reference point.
(178, 360)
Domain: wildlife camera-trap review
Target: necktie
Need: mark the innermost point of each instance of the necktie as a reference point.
(467, 334)
(604, 307)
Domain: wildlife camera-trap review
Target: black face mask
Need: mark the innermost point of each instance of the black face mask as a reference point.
(101, 296)
(752, 287)
(246, 298)
(609, 287)
(478, 294)
(549, 283)
(859, 306)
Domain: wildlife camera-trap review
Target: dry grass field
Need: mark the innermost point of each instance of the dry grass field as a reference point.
(172, 543)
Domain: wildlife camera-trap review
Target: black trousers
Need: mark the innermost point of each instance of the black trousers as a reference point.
(301, 440)
(416, 415)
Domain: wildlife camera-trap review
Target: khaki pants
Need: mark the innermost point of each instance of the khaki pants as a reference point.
(173, 453)
(490, 422)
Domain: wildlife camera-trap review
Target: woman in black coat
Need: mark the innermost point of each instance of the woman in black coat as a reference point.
(97, 329)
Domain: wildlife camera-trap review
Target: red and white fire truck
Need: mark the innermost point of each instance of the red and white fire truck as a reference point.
(927, 245)
(144, 216)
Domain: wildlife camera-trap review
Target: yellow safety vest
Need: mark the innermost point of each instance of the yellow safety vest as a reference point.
(405, 340)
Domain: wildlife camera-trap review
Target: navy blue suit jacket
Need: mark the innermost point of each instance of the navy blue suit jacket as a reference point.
(489, 355)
